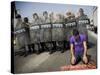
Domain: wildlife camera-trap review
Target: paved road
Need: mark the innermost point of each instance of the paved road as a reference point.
(45, 62)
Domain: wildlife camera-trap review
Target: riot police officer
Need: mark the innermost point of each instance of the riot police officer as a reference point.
(17, 26)
(82, 27)
(45, 18)
(57, 33)
(36, 19)
(35, 34)
(26, 35)
(70, 18)
(44, 42)
(52, 17)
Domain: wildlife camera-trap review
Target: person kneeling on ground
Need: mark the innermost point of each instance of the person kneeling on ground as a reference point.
(78, 48)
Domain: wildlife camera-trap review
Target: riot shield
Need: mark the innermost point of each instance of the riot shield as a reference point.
(82, 25)
(46, 32)
(58, 34)
(35, 35)
(19, 36)
(45, 35)
(69, 26)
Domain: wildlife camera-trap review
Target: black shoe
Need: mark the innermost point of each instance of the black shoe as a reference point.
(38, 52)
(62, 51)
(26, 54)
(51, 52)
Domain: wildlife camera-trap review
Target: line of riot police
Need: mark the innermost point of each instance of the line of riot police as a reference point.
(46, 34)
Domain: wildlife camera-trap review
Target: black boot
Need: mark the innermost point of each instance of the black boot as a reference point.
(32, 48)
(62, 51)
(51, 52)
(39, 49)
(26, 54)
(26, 50)
(54, 45)
(42, 46)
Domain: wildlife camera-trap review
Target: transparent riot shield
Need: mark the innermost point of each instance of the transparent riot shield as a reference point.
(82, 25)
(45, 35)
(35, 36)
(58, 34)
(69, 26)
(19, 38)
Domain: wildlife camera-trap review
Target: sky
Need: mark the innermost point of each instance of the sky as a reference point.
(26, 9)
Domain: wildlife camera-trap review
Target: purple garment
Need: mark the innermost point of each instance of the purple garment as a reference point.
(78, 46)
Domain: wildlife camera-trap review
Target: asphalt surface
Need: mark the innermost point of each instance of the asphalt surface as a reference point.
(45, 62)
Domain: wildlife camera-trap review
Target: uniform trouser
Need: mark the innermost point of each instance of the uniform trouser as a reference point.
(66, 44)
(43, 46)
(37, 47)
(60, 45)
(57, 45)
(54, 45)
(27, 41)
(48, 46)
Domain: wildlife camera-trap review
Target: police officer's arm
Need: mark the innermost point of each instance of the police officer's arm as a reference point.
(85, 48)
(27, 25)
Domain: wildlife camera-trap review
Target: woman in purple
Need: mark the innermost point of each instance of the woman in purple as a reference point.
(78, 48)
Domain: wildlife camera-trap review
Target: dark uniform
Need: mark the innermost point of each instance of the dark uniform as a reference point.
(27, 41)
